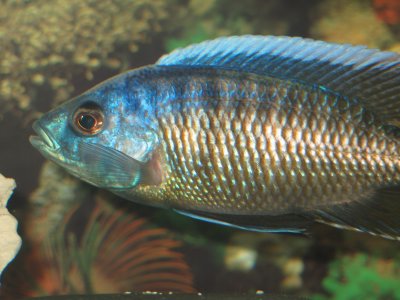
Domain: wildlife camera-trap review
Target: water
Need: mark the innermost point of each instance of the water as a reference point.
(79, 240)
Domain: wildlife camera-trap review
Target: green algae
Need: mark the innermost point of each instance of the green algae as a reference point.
(362, 277)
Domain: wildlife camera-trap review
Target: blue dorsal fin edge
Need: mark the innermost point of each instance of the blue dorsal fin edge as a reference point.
(368, 75)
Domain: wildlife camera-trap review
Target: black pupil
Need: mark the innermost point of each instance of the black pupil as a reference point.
(87, 121)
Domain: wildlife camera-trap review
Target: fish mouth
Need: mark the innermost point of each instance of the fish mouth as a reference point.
(43, 139)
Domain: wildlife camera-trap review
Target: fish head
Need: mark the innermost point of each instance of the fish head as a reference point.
(103, 137)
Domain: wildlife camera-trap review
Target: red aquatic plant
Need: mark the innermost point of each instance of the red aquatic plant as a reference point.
(116, 252)
(132, 256)
(388, 11)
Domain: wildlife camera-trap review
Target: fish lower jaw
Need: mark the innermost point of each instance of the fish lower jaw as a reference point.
(43, 139)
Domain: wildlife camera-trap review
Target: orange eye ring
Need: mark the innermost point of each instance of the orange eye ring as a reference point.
(88, 121)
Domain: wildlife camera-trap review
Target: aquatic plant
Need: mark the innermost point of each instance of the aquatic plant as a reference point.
(117, 251)
(362, 277)
(133, 255)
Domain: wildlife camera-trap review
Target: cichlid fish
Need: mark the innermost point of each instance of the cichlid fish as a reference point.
(262, 133)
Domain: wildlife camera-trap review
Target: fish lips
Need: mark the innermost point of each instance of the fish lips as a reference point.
(43, 141)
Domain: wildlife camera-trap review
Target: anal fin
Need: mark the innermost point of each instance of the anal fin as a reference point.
(378, 215)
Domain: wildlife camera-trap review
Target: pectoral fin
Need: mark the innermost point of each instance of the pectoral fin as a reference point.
(108, 168)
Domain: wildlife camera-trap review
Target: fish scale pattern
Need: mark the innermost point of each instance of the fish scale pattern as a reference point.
(269, 147)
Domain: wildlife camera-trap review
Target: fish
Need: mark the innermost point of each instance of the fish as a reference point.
(263, 133)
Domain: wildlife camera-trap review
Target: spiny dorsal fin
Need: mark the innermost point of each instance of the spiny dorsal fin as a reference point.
(369, 75)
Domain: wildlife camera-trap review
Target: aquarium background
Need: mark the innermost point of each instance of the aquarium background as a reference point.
(81, 240)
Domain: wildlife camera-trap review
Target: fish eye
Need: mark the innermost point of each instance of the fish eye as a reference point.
(88, 119)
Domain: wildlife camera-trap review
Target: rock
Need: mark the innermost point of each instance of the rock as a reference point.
(239, 258)
(10, 241)
(292, 269)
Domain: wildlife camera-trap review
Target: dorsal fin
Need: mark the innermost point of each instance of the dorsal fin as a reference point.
(369, 75)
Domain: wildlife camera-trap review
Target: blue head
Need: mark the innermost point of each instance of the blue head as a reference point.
(104, 136)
